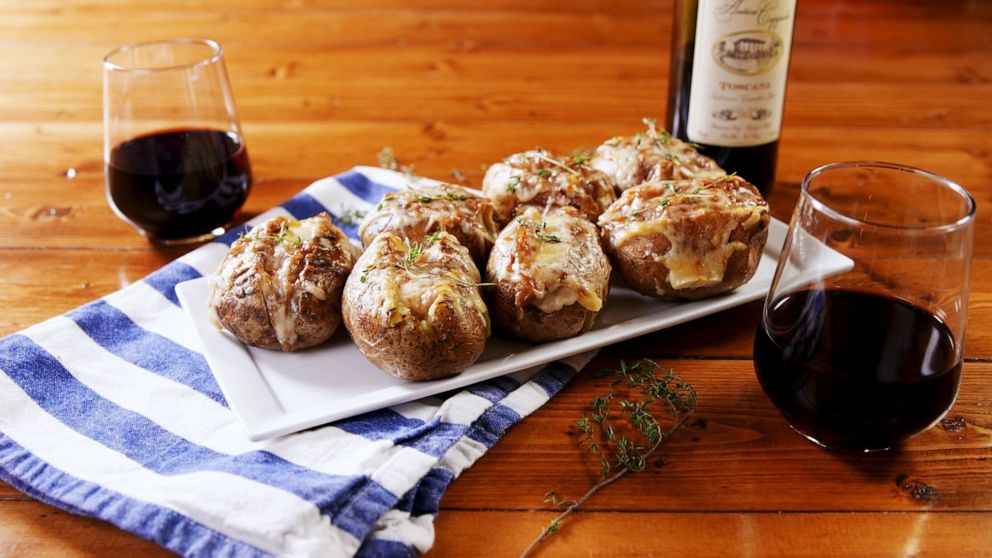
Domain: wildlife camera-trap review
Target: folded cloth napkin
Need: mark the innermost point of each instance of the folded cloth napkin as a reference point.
(110, 411)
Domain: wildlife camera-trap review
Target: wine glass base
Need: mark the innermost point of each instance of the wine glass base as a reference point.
(205, 237)
(831, 447)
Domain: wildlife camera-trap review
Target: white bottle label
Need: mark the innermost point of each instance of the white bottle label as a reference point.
(739, 69)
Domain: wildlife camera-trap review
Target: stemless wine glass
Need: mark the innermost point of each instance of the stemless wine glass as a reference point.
(175, 160)
(869, 357)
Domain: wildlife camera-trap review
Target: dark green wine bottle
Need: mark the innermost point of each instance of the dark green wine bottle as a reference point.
(726, 91)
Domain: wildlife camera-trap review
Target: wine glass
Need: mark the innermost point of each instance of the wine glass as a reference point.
(869, 357)
(175, 159)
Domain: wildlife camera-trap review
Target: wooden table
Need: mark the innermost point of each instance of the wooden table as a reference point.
(456, 84)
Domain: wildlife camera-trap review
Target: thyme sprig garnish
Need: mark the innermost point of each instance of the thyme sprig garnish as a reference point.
(660, 138)
(410, 264)
(352, 217)
(454, 196)
(540, 154)
(603, 430)
(387, 160)
(423, 197)
(284, 236)
(582, 155)
(539, 229)
(511, 186)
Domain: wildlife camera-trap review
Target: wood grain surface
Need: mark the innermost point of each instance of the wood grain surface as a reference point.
(453, 84)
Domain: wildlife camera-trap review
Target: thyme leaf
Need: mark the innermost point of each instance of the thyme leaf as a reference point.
(539, 229)
(511, 186)
(352, 217)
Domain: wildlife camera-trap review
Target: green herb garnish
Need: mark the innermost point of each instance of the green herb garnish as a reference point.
(539, 230)
(511, 186)
(353, 217)
(638, 400)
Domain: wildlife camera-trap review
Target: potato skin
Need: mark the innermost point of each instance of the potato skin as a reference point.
(531, 324)
(418, 212)
(527, 280)
(401, 339)
(707, 217)
(303, 308)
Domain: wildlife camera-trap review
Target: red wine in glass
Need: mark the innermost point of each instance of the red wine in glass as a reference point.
(174, 156)
(856, 370)
(179, 184)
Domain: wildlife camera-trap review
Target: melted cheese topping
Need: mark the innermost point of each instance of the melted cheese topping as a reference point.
(696, 216)
(274, 257)
(652, 155)
(417, 212)
(552, 260)
(538, 178)
(412, 282)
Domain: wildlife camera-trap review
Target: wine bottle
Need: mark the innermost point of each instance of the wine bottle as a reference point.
(726, 92)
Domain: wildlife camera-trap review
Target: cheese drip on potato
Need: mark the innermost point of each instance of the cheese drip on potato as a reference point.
(414, 308)
(550, 273)
(418, 212)
(679, 238)
(280, 285)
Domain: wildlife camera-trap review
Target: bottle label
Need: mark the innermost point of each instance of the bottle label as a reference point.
(739, 69)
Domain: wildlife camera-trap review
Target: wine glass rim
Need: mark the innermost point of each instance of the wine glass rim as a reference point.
(941, 180)
(215, 55)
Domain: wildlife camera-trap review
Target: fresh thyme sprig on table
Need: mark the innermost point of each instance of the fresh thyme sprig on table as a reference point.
(604, 431)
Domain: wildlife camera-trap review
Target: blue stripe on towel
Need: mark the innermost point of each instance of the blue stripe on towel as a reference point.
(302, 206)
(350, 229)
(425, 497)
(383, 548)
(230, 236)
(165, 280)
(360, 185)
(494, 389)
(57, 391)
(115, 332)
(432, 438)
(554, 376)
(493, 423)
(176, 532)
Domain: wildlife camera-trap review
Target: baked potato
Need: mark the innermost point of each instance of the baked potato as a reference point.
(651, 155)
(536, 178)
(418, 212)
(414, 308)
(686, 239)
(550, 273)
(279, 287)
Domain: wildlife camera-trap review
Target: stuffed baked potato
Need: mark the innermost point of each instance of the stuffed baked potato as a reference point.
(550, 273)
(279, 287)
(536, 178)
(686, 239)
(414, 308)
(418, 212)
(651, 155)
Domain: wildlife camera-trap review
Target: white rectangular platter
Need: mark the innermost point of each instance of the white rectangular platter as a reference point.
(275, 393)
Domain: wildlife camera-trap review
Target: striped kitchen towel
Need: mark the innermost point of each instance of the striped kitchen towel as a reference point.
(110, 411)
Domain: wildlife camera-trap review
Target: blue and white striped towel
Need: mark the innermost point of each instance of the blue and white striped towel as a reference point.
(110, 411)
